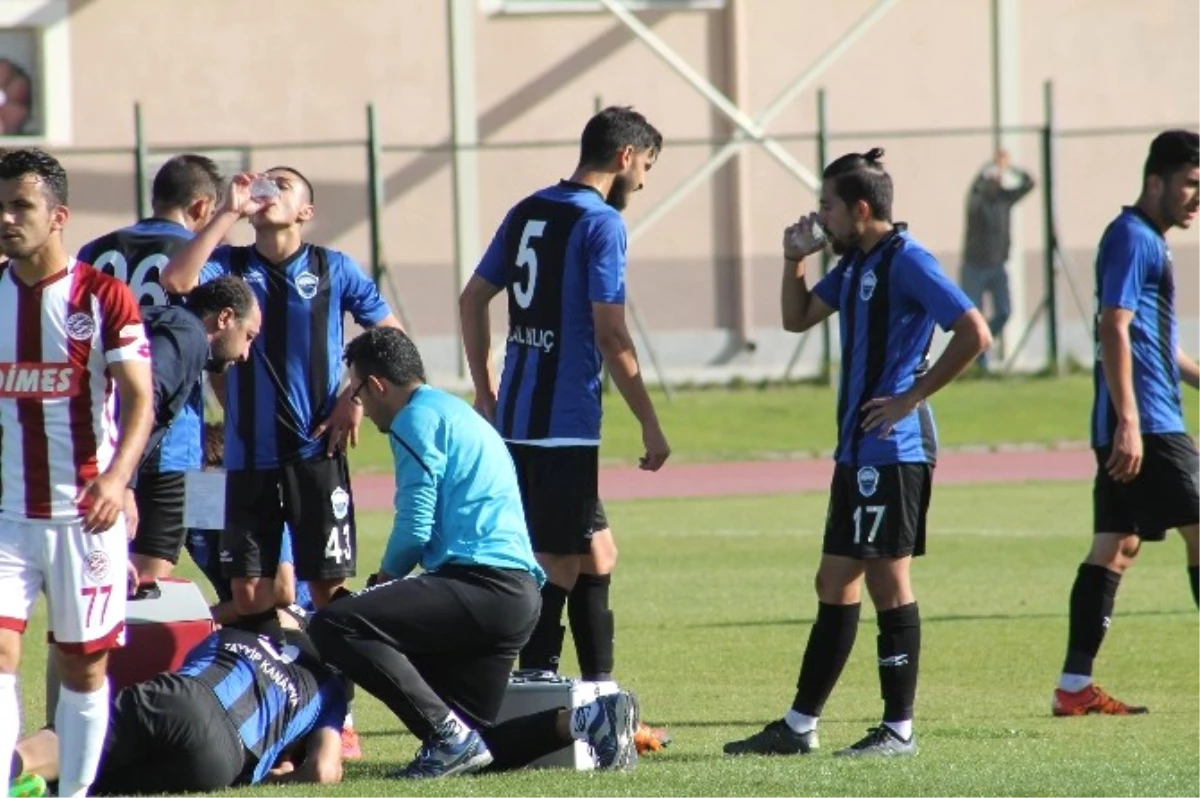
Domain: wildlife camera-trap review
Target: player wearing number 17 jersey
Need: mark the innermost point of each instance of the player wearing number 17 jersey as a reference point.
(183, 198)
(889, 293)
(560, 254)
(69, 337)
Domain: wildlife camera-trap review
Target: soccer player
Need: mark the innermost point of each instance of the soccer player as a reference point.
(560, 255)
(285, 423)
(1146, 463)
(183, 198)
(239, 711)
(890, 292)
(438, 648)
(73, 337)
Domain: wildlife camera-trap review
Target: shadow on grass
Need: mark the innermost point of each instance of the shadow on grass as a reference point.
(926, 619)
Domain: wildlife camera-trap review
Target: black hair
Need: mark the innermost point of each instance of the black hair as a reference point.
(386, 353)
(1171, 151)
(18, 163)
(312, 197)
(229, 291)
(613, 129)
(183, 180)
(860, 176)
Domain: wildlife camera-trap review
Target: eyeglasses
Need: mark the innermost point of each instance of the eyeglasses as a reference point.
(354, 396)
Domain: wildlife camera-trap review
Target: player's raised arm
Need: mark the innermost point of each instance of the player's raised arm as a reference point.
(182, 272)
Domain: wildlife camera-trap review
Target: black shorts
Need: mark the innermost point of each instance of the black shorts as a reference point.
(878, 511)
(560, 488)
(1163, 496)
(313, 497)
(160, 531)
(205, 547)
(169, 735)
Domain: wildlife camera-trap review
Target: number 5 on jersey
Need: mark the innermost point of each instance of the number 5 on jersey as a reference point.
(527, 259)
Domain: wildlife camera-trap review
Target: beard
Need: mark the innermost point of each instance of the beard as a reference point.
(618, 194)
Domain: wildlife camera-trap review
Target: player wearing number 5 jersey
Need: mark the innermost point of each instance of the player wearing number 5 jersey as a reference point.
(69, 337)
(560, 254)
(184, 195)
(889, 293)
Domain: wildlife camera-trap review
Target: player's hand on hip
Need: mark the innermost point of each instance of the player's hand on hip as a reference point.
(1125, 461)
(103, 500)
(341, 426)
(132, 517)
(884, 412)
(657, 448)
(238, 198)
(799, 240)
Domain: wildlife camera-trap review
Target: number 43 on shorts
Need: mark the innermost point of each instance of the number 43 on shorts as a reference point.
(337, 545)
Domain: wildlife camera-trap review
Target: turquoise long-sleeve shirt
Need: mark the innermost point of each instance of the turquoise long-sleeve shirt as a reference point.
(457, 499)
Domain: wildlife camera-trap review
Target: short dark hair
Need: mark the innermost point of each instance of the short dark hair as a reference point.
(613, 129)
(386, 353)
(1171, 151)
(184, 179)
(860, 176)
(229, 291)
(31, 161)
(312, 196)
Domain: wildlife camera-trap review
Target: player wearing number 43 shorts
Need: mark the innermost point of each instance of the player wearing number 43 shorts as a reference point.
(889, 293)
(70, 337)
(183, 198)
(287, 421)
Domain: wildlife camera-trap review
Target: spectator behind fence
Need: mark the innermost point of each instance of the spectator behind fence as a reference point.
(988, 238)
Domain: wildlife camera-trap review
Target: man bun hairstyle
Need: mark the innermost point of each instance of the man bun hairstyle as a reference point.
(860, 177)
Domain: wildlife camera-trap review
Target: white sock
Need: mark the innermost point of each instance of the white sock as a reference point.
(81, 722)
(461, 730)
(1073, 682)
(349, 723)
(582, 718)
(902, 728)
(10, 724)
(798, 723)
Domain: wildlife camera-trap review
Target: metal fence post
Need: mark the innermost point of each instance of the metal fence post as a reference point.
(1050, 242)
(139, 163)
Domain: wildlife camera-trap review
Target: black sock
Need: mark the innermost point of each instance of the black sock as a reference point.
(265, 623)
(829, 645)
(18, 766)
(899, 648)
(545, 644)
(592, 626)
(1092, 598)
(1193, 576)
(518, 741)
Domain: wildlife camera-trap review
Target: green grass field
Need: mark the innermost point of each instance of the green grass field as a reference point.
(751, 423)
(714, 602)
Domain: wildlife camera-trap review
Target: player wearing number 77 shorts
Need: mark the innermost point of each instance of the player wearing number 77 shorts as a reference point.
(889, 292)
(70, 337)
(183, 198)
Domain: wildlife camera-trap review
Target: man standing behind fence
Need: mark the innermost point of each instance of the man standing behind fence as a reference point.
(560, 254)
(988, 238)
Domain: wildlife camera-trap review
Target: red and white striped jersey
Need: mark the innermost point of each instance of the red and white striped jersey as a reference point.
(57, 400)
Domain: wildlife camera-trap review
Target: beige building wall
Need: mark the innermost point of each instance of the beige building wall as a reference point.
(283, 75)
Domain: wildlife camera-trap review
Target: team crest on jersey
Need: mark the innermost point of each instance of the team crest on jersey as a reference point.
(81, 326)
(340, 500)
(866, 286)
(96, 566)
(868, 481)
(306, 284)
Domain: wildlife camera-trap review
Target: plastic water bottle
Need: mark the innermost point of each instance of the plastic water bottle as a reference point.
(263, 189)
